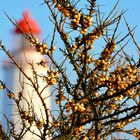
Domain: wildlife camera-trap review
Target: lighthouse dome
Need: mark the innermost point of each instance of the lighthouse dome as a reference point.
(27, 25)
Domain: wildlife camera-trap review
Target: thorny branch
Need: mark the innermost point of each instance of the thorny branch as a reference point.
(97, 103)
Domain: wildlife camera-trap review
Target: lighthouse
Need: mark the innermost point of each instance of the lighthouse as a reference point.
(28, 59)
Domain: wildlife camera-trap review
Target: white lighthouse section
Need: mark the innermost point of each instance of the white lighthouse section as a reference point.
(19, 81)
(22, 84)
(24, 57)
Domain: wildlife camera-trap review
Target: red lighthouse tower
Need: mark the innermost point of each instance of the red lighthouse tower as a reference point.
(19, 83)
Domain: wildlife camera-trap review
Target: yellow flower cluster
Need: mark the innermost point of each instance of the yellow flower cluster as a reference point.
(121, 124)
(84, 138)
(102, 64)
(81, 54)
(119, 98)
(1, 86)
(131, 93)
(30, 119)
(11, 95)
(41, 47)
(69, 12)
(78, 130)
(114, 106)
(68, 106)
(56, 123)
(26, 116)
(78, 107)
(92, 36)
(60, 97)
(39, 123)
(136, 133)
(120, 79)
(101, 78)
(86, 22)
(89, 58)
(42, 63)
(74, 47)
(64, 35)
(77, 19)
(109, 48)
(51, 79)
